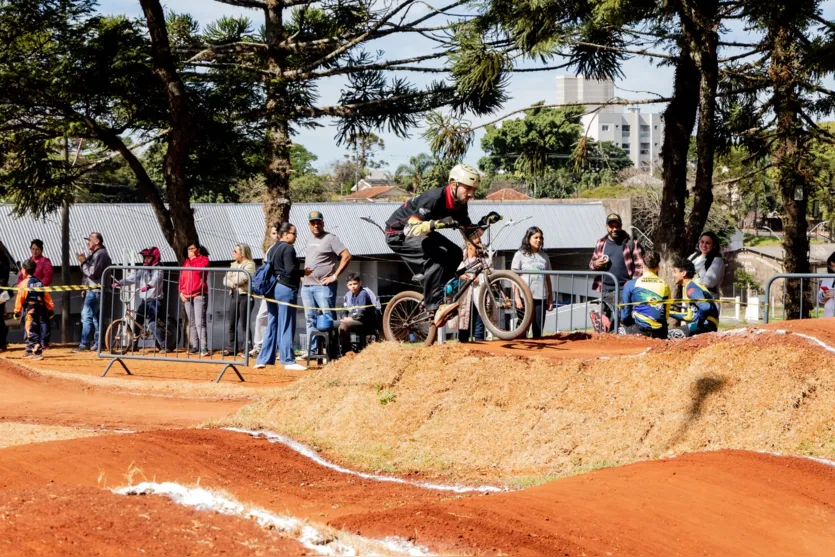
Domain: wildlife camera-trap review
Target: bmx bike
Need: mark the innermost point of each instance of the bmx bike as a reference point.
(127, 334)
(497, 300)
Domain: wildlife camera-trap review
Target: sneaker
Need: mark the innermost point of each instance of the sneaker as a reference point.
(255, 351)
(295, 367)
(228, 352)
(79, 348)
(193, 351)
(302, 355)
(205, 353)
(443, 313)
(36, 357)
(260, 366)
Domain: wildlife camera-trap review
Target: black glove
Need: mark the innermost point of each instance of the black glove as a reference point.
(446, 222)
(490, 218)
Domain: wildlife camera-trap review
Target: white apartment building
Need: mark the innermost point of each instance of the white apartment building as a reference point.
(639, 134)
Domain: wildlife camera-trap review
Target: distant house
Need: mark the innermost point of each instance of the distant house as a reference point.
(375, 179)
(378, 193)
(507, 194)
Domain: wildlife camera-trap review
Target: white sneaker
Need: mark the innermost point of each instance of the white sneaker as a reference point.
(255, 351)
(295, 367)
(260, 366)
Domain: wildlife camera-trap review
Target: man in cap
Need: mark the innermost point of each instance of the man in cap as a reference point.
(92, 268)
(326, 257)
(411, 233)
(618, 254)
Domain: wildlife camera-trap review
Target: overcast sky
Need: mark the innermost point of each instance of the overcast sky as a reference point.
(525, 89)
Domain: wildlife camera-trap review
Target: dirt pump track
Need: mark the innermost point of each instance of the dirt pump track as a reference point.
(52, 501)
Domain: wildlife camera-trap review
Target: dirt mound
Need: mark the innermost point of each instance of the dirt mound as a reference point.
(720, 503)
(59, 521)
(469, 414)
(29, 397)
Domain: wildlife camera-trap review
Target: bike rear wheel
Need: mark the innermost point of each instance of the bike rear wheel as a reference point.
(406, 320)
(497, 305)
(119, 338)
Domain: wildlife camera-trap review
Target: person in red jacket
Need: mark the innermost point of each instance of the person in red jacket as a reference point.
(194, 294)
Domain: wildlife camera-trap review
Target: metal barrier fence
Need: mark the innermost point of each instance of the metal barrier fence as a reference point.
(812, 280)
(149, 313)
(573, 307)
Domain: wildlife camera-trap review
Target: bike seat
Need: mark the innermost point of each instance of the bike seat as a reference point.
(418, 278)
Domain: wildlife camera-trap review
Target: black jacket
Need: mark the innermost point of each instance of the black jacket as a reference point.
(433, 204)
(286, 265)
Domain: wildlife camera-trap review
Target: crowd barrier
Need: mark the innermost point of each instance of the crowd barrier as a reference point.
(808, 285)
(142, 316)
(575, 300)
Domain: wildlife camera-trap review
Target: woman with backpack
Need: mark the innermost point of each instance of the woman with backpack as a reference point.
(710, 267)
(194, 295)
(281, 318)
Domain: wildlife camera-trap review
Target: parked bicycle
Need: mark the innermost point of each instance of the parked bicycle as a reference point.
(128, 334)
(406, 319)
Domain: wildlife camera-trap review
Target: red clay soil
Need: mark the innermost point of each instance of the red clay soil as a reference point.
(723, 503)
(186, 368)
(74, 521)
(574, 345)
(27, 397)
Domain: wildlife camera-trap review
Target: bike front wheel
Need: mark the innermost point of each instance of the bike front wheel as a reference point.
(406, 320)
(499, 301)
(118, 339)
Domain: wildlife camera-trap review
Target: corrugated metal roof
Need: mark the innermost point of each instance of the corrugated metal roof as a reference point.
(128, 228)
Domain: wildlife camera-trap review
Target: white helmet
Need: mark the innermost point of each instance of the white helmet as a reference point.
(465, 175)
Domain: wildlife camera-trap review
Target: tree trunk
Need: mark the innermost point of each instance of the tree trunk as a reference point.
(277, 174)
(793, 177)
(679, 119)
(184, 230)
(707, 62)
(66, 300)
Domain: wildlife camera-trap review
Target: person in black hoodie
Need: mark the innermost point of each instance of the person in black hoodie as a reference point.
(281, 318)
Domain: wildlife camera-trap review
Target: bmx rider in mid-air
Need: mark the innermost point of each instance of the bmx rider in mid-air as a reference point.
(411, 233)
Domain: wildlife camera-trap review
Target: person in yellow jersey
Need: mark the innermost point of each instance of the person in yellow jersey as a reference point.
(701, 313)
(646, 301)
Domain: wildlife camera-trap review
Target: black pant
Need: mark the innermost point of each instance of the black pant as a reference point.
(4, 331)
(652, 333)
(433, 255)
(236, 314)
(538, 320)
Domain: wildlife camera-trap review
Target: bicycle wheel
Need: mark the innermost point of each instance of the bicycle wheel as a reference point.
(406, 320)
(118, 339)
(497, 308)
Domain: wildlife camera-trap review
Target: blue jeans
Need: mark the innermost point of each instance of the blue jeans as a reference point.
(317, 296)
(90, 320)
(281, 328)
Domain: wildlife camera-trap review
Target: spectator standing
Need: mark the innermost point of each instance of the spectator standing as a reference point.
(193, 293)
(707, 259)
(646, 300)
(826, 290)
(618, 254)
(701, 313)
(530, 257)
(238, 300)
(33, 306)
(151, 291)
(43, 272)
(281, 318)
(260, 325)
(326, 257)
(466, 309)
(92, 269)
(5, 271)
(362, 314)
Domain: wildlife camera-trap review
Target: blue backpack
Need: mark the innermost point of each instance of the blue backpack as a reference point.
(263, 282)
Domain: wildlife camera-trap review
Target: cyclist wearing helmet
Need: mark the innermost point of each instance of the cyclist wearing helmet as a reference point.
(411, 231)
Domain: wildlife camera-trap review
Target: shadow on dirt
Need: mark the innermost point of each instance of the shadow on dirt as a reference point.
(704, 387)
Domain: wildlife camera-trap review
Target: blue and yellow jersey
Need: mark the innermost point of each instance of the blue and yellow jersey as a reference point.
(699, 304)
(642, 296)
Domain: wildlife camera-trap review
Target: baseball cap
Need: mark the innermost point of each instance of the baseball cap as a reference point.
(614, 217)
(315, 215)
